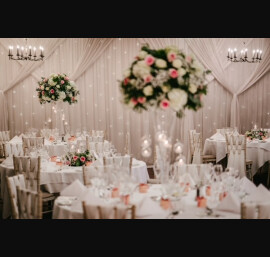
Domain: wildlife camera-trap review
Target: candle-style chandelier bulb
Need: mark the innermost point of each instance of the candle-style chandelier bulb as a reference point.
(24, 53)
(233, 56)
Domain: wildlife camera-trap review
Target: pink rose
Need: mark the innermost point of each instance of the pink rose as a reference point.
(52, 91)
(165, 104)
(189, 59)
(67, 162)
(141, 100)
(66, 78)
(73, 99)
(75, 158)
(62, 82)
(173, 73)
(149, 60)
(43, 93)
(171, 57)
(134, 101)
(126, 81)
(82, 159)
(148, 78)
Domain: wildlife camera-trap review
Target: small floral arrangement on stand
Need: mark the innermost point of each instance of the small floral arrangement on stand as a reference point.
(256, 134)
(164, 78)
(79, 159)
(57, 87)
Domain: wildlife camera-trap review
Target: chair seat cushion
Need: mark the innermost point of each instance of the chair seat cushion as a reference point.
(47, 196)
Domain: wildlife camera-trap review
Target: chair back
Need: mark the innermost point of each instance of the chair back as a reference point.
(119, 211)
(12, 183)
(197, 156)
(29, 204)
(13, 149)
(236, 149)
(4, 136)
(30, 143)
(30, 168)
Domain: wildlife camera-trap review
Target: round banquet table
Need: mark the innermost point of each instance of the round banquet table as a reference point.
(55, 180)
(71, 207)
(257, 151)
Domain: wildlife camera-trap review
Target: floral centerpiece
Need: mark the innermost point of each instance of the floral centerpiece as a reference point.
(79, 159)
(57, 87)
(256, 134)
(164, 78)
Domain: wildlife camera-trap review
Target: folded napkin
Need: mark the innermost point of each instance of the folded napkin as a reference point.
(74, 189)
(217, 136)
(15, 139)
(148, 207)
(247, 186)
(261, 194)
(231, 203)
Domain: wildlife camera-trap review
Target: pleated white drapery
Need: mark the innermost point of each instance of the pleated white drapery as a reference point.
(97, 64)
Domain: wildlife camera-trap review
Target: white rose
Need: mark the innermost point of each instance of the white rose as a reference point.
(181, 81)
(141, 69)
(58, 86)
(42, 87)
(177, 64)
(72, 83)
(182, 72)
(130, 104)
(51, 82)
(178, 98)
(148, 91)
(62, 95)
(53, 97)
(193, 88)
(132, 82)
(160, 63)
(172, 48)
(70, 95)
(68, 87)
(165, 89)
(44, 97)
(53, 75)
(142, 54)
(127, 73)
(47, 88)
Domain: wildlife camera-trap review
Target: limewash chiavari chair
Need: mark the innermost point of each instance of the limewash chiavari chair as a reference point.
(12, 183)
(31, 142)
(30, 167)
(108, 211)
(198, 157)
(236, 149)
(29, 204)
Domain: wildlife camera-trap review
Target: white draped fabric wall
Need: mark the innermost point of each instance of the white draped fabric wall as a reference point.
(97, 64)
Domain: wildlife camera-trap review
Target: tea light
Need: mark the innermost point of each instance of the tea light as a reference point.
(143, 188)
(202, 202)
(115, 192)
(165, 204)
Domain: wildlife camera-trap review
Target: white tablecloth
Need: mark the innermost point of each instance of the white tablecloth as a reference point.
(191, 211)
(55, 181)
(257, 151)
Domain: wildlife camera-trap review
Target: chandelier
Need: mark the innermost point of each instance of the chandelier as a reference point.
(233, 56)
(26, 53)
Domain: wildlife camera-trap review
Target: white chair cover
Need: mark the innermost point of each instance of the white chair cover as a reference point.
(236, 148)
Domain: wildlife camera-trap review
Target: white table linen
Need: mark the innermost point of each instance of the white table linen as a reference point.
(257, 151)
(55, 180)
(146, 208)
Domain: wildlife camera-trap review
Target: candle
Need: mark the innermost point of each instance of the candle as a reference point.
(30, 49)
(35, 54)
(255, 126)
(18, 52)
(257, 54)
(246, 53)
(253, 56)
(22, 48)
(229, 52)
(11, 50)
(235, 52)
(260, 54)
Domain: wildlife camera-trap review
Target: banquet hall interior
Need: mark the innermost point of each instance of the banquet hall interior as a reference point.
(134, 128)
